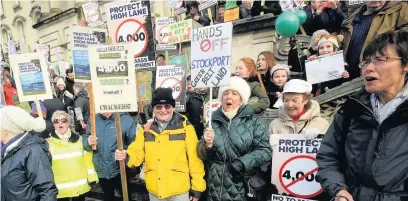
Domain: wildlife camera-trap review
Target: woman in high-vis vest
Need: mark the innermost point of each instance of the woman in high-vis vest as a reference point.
(72, 165)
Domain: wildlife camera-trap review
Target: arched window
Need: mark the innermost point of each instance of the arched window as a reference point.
(4, 37)
(20, 29)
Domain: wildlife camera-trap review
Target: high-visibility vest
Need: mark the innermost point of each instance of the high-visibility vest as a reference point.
(72, 166)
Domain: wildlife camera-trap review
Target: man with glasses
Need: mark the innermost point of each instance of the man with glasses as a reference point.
(367, 23)
(172, 169)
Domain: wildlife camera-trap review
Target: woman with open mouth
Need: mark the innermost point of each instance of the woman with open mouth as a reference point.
(364, 154)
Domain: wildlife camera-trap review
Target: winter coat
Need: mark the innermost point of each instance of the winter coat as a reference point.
(330, 19)
(258, 100)
(394, 16)
(203, 20)
(194, 111)
(52, 105)
(26, 173)
(308, 25)
(365, 157)
(69, 85)
(104, 156)
(82, 101)
(311, 119)
(172, 166)
(66, 98)
(244, 138)
(271, 90)
(9, 92)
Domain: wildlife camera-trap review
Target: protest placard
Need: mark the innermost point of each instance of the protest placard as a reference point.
(162, 29)
(210, 108)
(174, 77)
(113, 78)
(294, 166)
(355, 2)
(129, 22)
(287, 198)
(82, 37)
(204, 4)
(45, 50)
(231, 14)
(211, 55)
(92, 14)
(31, 76)
(63, 66)
(325, 68)
(181, 31)
(144, 82)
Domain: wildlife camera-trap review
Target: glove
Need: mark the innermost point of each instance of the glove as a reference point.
(274, 140)
(236, 168)
(311, 133)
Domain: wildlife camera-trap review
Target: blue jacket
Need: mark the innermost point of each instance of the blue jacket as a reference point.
(104, 156)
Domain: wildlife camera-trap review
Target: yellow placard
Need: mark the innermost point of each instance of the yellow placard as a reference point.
(231, 14)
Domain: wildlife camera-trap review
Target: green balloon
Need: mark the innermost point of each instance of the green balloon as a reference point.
(177, 60)
(287, 24)
(301, 15)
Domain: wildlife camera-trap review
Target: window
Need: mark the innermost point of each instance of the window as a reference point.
(4, 37)
(20, 29)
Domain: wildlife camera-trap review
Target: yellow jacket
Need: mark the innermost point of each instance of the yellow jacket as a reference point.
(72, 166)
(172, 165)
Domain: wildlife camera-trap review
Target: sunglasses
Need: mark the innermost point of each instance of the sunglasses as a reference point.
(160, 107)
(56, 121)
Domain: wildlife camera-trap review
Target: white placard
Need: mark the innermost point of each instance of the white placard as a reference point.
(162, 30)
(92, 14)
(294, 166)
(113, 78)
(63, 67)
(81, 38)
(211, 55)
(287, 198)
(31, 76)
(173, 77)
(325, 68)
(45, 50)
(204, 4)
(211, 108)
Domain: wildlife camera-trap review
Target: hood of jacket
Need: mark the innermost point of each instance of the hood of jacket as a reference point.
(82, 94)
(28, 140)
(312, 112)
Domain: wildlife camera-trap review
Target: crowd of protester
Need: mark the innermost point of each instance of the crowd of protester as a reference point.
(362, 156)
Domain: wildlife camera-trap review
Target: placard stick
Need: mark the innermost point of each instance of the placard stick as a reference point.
(39, 110)
(260, 81)
(121, 163)
(166, 55)
(92, 112)
(210, 103)
(302, 30)
(209, 12)
(262, 5)
(139, 102)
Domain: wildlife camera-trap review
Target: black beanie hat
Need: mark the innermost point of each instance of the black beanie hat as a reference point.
(163, 96)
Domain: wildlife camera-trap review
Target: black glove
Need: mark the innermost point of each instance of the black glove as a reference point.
(236, 168)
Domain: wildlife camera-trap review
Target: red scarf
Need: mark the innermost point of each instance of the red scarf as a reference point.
(297, 117)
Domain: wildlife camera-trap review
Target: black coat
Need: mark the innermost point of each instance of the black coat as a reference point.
(26, 173)
(368, 158)
(69, 85)
(271, 92)
(82, 101)
(194, 111)
(329, 19)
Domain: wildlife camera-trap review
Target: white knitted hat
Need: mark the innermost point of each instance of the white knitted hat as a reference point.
(60, 81)
(239, 85)
(16, 120)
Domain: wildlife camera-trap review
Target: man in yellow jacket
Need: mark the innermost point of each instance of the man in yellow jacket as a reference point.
(173, 170)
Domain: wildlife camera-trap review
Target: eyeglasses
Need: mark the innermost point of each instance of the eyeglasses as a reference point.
(377, 60)
(160, 107)
(63, 120)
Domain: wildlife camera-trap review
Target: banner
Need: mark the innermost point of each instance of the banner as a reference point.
(173, 77)
(45, 50)
(294, 166)
(144, 82)
(113, 78)
(211, 55)
(31, 76)
(204, 4)
(130, 23)
(180, 31)
(92, 14)
(82, 37)
(162, 29)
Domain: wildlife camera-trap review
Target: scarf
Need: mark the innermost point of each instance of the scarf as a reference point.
(382, 111)
(231, 114)
(297, 117)
(64, 137)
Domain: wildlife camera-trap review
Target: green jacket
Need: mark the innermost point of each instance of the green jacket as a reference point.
(248, 141)
(258, 101)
